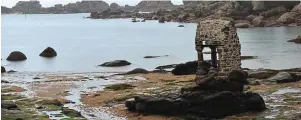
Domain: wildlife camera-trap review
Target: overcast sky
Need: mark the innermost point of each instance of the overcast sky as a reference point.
(48, 3)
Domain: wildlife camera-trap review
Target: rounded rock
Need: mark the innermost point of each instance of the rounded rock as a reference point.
(48, 52)
(16, 56)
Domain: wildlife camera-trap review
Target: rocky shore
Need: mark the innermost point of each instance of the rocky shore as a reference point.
(244, 13)
(51, 91)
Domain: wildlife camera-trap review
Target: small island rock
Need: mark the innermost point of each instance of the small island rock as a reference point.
(48, 52)
(16, 56)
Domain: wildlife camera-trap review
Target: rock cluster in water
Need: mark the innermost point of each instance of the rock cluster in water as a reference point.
(244, 13)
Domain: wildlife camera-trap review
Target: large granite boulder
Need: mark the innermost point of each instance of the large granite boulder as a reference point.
(288, 17)
(48, 52)
(297, 8)
(16, 56)
(250, 18)
(116, 63)
(282, 77)
(275, 11)
(258, 22)
(203, 104)
(3, 70)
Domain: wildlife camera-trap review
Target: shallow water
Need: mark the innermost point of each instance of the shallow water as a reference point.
(84, 43)
(85, 83)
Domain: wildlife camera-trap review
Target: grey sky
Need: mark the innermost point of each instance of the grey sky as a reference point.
(48, 3)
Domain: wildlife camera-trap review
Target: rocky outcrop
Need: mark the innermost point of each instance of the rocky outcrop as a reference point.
(199, 102)
(5, 10)
(3, 70)
(296, 40)
(258, 13)
(137, 71)
(288, 17)
(116, 63)
(152, 6)
(16, 56)
(28, 7)
(48, 52)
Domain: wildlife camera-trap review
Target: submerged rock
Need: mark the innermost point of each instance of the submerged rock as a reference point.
(155, 56)
(3, 70)
(137, 70)
(48, 52)
(296, 40)
(16, 56)
(116, 63)
(181, 26)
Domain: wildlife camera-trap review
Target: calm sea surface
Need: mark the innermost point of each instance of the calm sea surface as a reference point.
(82, 43)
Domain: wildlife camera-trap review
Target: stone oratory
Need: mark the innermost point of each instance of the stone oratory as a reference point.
(221, 37)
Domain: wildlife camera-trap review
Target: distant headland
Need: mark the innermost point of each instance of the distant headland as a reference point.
(244, 13)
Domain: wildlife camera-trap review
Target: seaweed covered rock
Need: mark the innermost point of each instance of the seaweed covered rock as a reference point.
(48, 52)
(16, 56)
